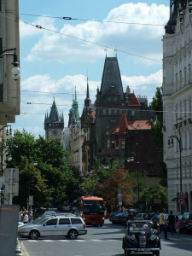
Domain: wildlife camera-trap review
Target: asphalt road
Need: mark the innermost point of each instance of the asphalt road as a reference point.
(105, 241)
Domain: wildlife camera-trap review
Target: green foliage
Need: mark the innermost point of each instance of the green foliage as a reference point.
(44, 170)
(157, 125)
(154, 193)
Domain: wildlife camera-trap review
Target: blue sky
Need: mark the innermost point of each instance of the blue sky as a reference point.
(58, 57)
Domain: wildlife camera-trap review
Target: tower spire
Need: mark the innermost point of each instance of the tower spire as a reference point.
(87, 87)
(75, 94)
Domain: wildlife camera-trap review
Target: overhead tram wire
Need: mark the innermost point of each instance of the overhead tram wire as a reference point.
(87, 41)
(132, 109)
(67, 18)
(91, 42)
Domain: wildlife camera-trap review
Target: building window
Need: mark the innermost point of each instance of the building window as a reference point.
(189, 67)
(189, 107)
(0, 5)
(180, 78)
(176, 81)
(185, 76)
(176, 112)
(185, 108)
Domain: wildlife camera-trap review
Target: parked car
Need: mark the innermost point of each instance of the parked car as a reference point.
(141, 237)
(119, 217)
(62, 225)
(186, 229)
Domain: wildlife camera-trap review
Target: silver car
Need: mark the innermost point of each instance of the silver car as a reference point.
(68, 226)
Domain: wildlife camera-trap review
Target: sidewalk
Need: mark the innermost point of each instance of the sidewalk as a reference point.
(20, 249)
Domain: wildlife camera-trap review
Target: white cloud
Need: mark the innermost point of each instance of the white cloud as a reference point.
(142, 40)
(28, 29)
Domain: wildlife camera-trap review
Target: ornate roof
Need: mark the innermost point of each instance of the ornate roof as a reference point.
(111, 79)
(126, 124)
(53, 116)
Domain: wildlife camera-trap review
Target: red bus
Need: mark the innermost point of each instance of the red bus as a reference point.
(92, 210)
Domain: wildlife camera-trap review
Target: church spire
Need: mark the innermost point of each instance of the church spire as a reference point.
(111, 79)
(87, 88)
(87, 101)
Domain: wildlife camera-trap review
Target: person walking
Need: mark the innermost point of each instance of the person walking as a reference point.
(163, 224)
(171, 222)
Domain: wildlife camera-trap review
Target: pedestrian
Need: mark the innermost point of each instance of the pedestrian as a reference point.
(163, 224)
(171, 222)
(25, 217)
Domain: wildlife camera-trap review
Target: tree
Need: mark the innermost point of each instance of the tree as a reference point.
(44, 170)
(157, 128)
(153, 194)
(157, 125)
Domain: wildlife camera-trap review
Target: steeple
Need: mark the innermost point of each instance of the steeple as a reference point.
(54, 115)
(54, 123)
(87, 88)
(75, 94)
(87, 99)
(111, 79)
(74, 112)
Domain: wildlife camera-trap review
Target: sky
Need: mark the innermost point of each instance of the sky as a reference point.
(60, 55)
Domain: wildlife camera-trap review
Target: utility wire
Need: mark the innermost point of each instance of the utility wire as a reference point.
(67, 18)
(91, 42)
(86, 41)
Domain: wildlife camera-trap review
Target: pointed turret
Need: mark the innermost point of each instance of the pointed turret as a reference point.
(87, 99)
(111, 79)
(54, 123)
(54, 115)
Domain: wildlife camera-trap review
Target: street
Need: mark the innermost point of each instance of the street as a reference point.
(105, 241)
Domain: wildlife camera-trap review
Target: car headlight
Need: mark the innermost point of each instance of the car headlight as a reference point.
(153, 237)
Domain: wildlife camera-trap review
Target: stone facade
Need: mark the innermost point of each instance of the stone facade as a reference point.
(9, 61)
(75, 136)
(177, 103)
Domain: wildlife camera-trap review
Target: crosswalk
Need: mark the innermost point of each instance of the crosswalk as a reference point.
(70, 241)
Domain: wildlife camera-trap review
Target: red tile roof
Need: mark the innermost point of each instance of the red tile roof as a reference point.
(125, 125)
(132, 100)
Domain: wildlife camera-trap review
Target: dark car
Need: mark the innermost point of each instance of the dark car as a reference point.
(186, 229)
(119, 217)
(141, 237)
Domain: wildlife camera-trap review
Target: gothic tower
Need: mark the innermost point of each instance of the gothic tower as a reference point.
(54, 124)
(109, 102)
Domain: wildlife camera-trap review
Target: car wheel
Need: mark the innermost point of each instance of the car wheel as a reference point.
(156, 253)
(34, 235)
(73, 234)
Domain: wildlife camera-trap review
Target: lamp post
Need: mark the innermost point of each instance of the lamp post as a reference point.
(15, 69)
(179, 141)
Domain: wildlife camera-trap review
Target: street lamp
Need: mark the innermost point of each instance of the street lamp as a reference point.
(179, 141)
(15, 69)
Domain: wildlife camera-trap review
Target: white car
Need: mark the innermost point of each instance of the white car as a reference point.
(68, 226)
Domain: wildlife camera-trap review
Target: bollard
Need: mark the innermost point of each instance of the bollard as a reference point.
(18, 251)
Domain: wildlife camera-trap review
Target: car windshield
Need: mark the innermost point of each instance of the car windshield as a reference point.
(139, 226)
(40, 220)
(93, 207)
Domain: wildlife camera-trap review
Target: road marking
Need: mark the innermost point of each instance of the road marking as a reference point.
(48, 241)
(69, 241)
(96, 240)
